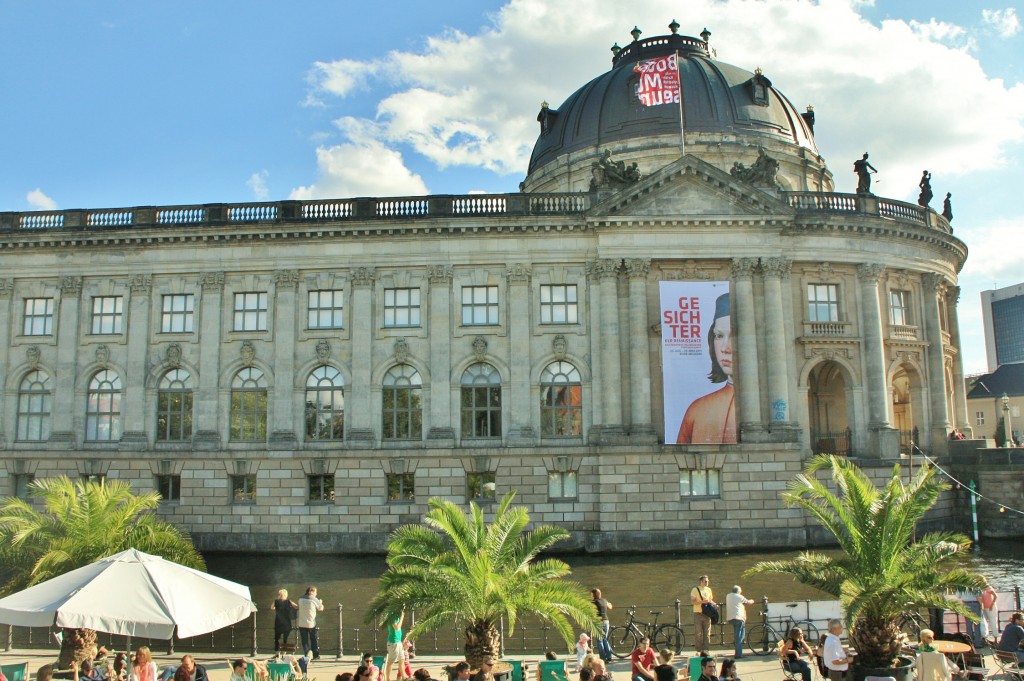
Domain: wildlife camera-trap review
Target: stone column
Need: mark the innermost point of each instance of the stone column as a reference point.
(961, 419)
(520, 431)
(134, 436)
(883, 441)
(360, 429)
(207, 397)
(594, 338)
(641, 428)
(932, 287)
(744, 333)
(441, 433)
(6, 291)
(63, 431)
(780, 421)
(611, 359)
(286, 323)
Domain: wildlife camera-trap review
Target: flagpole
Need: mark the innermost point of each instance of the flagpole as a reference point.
(679, 87)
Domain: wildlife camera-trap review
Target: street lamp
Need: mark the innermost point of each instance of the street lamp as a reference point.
(1007, 420)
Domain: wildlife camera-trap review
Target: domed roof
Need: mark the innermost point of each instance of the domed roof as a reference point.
(718, 98)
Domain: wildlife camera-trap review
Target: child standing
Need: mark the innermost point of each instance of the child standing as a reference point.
(582, 649)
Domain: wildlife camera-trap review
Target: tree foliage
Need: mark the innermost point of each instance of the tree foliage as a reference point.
(882, 571)
(456, 569)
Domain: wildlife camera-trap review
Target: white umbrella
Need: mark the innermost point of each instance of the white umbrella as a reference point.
(134, 594)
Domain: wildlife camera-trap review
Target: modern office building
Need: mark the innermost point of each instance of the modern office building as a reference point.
(1002, 312)
(304, 375)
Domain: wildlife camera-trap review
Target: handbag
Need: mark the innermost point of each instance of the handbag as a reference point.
(710, 610)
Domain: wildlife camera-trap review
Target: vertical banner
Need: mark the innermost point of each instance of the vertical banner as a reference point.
(659, 81)
(697, 363)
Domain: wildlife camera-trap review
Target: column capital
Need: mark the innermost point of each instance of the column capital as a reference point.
(362, 277)
(140, 283)
(870, 271)
(638, 268)
(602, 269)
(933, 282)
(286, 279)
(519, 272)
(776, 267)
(212, 282)
(440, 274)
(6, 287)
(71, 285)
(953, 293)
(743, 268)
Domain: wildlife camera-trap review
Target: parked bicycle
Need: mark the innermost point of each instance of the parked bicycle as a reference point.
(624, 638)
(763, 638)
(911, 623)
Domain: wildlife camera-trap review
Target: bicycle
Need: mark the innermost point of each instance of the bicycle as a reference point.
(763, 638)
(624, 638)
(911, 623)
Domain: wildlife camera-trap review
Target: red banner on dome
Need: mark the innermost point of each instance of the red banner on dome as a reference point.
(659, 81)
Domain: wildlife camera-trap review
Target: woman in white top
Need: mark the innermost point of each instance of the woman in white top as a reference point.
(143, 667)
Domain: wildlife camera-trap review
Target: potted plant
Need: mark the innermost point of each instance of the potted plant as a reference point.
(882, 571)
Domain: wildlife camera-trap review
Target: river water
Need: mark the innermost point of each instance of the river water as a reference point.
(652, 582)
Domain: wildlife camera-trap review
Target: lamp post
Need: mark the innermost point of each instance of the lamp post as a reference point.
(1007, 420)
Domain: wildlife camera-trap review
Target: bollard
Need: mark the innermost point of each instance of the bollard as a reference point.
(679, 613)
(340, 629)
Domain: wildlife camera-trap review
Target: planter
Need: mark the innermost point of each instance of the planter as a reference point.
(902, 672)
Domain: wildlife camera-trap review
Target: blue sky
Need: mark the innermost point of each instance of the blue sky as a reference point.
(143, 103)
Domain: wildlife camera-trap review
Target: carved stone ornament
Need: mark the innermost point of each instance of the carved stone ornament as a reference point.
(363, 276)
(607, 173)
(212, 281)
(870, 271)
(6, 287)
(323, 349)
(743, 267)
(480, 347)
(903, 279)
(761, 173)
(826, 272)
(71, 285)
(638, 268)
(401, 349)
(688, 272)
(519, 272)
(559, 346)
(601, 269)
(440, 274)
(776, 267)
(286, 278)
(103, 356)
(248, 353)
(172, 357)
(932, 282)
(32, 356)
(140, 283)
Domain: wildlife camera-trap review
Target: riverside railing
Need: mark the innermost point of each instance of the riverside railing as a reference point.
(343, 632)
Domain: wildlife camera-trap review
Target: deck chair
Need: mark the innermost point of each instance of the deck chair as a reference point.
(378, 662)
(1008, 665)
(279, 671)
(15, 672)
(695, 667)
(553, 670)
(517, 669)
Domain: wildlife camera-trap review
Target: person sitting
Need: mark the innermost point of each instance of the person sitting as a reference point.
(665, 672)
(460, 671)
(1012, 639)
(727, 672)
(586, 674)
(486, 671)
(944, 670)
(795, 646)
(552, 655)
(600, 668)
(422, 674)
(345, 676)
(643, 661)
(238, 670)
(86, 672)
(707, 669)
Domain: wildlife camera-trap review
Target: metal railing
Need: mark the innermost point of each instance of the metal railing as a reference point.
(839, 443)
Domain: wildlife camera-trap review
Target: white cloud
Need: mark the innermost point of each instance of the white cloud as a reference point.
(367, 168)
(40, 201)
(1003, 21)
(908, 92)
(257, 182)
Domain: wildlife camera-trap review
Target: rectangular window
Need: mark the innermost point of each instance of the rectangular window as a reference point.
(823, 302)
(106, 314)
(479, 305)
(178, 312)
(979, 418)
(562, 485)
(169, 487)
(700, 483)
(21, 481)
(401, 307)
(899, 308)
(480, 486)
(402, 487)
(251, 311)
(558, 304)
(243, 489)
(38, 317)
(325, 310)
(98, 478)
(321, 488)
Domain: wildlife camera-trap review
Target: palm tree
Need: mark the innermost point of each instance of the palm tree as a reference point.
(882, 570)
(457, 569)
(80, 523)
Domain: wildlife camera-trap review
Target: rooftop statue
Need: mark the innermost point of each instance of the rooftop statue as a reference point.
(607, 172)
(864, 171)
(925, 197)
(762, 173)
(947, 208)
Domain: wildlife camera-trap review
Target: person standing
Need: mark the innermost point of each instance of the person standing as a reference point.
(604, 648)
(736, 613)
(284, 609)
(309, 605)
(969, 598)
(700, 595)
(989, 612)
(837, 659)
(643, 661)
(396, 649)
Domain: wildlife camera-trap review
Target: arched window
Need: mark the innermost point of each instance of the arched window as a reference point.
(481, 401)
(561, 401)
(34, 402)
(249, 405)
(103, 409)
(403, 410)
(174, 406)
(325, 404)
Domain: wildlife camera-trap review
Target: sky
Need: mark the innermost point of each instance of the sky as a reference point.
(127, 103)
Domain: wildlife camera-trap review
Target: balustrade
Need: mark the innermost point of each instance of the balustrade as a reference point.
(826, 328)
(903, 332)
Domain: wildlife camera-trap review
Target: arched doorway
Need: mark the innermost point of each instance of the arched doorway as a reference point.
(829, 410)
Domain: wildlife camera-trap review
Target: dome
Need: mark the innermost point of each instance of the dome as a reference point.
(722, 104)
